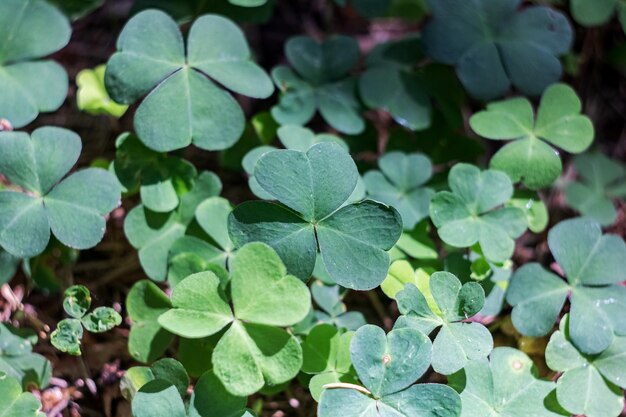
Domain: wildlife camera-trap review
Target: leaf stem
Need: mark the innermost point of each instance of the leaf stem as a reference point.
(335, 385)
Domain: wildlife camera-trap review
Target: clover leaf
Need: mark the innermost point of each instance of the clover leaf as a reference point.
(416, 244)
(14, 402)
(153, 234)
(264, 299)
(74, 208)
(504, 386)
(594, 265)
(399, 183)
(69, 332)
(8, 266)
(18, 360)
(31, 29)
(595, 13)
(602, 180)
(489, 42)
(166, 369)
(160, 178)
(534, 208)
(320, 82)
(528, 158)
(326, 356)
(468, 214)
(333, 310)
(401, 273)
(147, 340)
(92, 96)
(152, 59)
(313, 186)
(588, 384)
(446, 305)
(388, 365)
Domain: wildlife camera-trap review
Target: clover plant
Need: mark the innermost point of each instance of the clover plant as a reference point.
(69, 332)
(489, 43)
(445, 303)
(319, 81)
(313, 186)
(593, 264)
(92, 96)
(152, 58)
(470, 213)
(602, 181)
(18, 360)
(590, 13)
(14, 402)
(528, 158)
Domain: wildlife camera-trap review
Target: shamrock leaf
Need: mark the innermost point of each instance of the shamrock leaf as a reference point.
(14, 402)
(469, 214)
(249, 162)
(67, 336)
(145, 302)
(326, 356)
(447, 305)
(31, 29)
(415, 244)
(320, 82)
(593, 264)
(595, 13)
(333, 310)
(588, 383)
(153, 234)
(529, 158)
(18, 360)
(488, 42)
(74, 209)
(77, 301)
(152, 59)
(602, 180)
(313, 186)
(92, 96)
(534, 208)
(399, 183)
(160, 178)
(166, 369)
(388, 365)
(254, 350)
(504, 386)
(401, 273)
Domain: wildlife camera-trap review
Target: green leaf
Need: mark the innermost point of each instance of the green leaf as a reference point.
(582, 387)
(67, 336)
(320, 82)
(77, 301)
(145, 303)
(504, 386)
(8, 266)
(470, 214)
(301, 139)
(199, 310)
(101, 319)
(76, 9)
(534, 207)
(593, 13)
(31, 29)
(210, 398)
(74, 209)
(399, 183)
(92, 97)
(158, 397)
(488, 43)
(457, 342)
(528, 158)
(314, 187)
(190, 255)
(593, 264)
(401, 272)
(601, 182)
(17, 359)
(166, 369)
(14, 402)
(334, 311)
(212, 216)
(151, 59)
(262, 291)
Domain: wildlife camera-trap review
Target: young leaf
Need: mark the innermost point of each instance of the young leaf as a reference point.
(152, 58)
(320, 82)
(602, 180)
(488, 42)
(593, 264)
(469, 214)
(400, 184)
(315, 184)
(77, 301)
(155, 233)
(588, 383)
(388, 365)
(145, 303)
(92, 96)
(14, 402)
(67, 336)
(504, 386)
(101, 319)
(31, 29)
(529, 158)
(534, 208)
(74, 209)
(447, 305)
